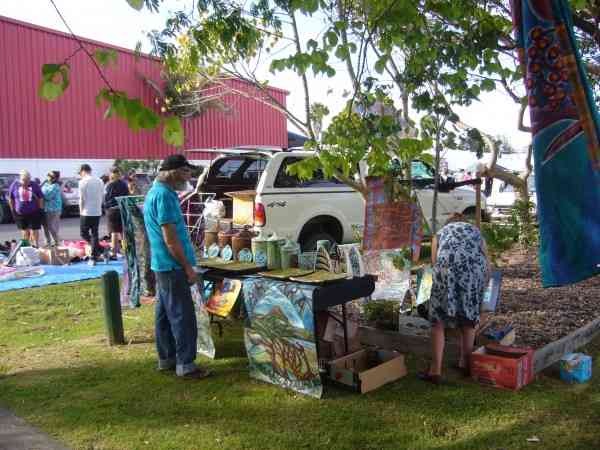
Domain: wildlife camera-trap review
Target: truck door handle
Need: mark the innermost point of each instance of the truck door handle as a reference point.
(272, 204)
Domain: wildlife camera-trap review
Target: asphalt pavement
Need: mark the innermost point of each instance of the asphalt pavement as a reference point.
(69, 229)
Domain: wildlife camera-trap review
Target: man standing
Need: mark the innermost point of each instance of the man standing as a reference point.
(91, 194)
(26, 202)
(173, 260)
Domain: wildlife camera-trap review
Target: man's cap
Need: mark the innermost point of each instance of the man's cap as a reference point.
(173, 162)
(85, 168)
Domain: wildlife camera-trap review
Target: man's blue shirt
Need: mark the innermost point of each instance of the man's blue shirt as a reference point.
(162, 207)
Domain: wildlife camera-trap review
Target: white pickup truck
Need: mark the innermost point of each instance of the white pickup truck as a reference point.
(315, 209)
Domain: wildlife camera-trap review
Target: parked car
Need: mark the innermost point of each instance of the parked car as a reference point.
(6, 179)
(70, 193)
(502, 199)
(314, 209)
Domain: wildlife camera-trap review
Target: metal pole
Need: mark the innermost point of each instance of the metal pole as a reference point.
(112, 308)
(478, 204)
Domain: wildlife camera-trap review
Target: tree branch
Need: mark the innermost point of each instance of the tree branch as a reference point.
(304, 79)
(521, 125)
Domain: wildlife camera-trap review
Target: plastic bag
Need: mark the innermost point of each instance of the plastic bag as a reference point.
(214, 209)
(27, 256)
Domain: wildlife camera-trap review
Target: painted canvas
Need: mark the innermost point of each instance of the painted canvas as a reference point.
(206, 345)
(392, 271)
(280, 334)
(224, 296)
(390, 223)
(425, 284)
(492, 292)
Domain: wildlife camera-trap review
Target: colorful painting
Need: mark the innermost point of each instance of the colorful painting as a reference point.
(425, 285)
(206, 345)
(137, 249)
(224, 296)
(492, 292)
(389, 223)
(280, 334)
(392, 271)
(566, 146)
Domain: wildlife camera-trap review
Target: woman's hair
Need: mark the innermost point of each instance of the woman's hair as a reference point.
(456, 217)
(25, 174)
(115, 174)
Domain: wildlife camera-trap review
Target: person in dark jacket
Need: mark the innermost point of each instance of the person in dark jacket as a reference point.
(116, 187)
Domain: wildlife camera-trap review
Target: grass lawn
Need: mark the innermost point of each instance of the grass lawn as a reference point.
(57, 372)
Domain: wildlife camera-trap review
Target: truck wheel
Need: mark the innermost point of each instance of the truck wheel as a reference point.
(309, 243)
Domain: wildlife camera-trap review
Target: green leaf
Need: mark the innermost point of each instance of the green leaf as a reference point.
(105, 57)
(173, 131)
(488, 85)
(50, 91)
(55, 80)
(136, 4)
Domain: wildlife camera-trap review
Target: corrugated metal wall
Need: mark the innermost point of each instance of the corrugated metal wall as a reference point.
(73, 127)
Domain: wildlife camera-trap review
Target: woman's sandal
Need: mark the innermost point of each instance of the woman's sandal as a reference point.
(434, 379)
(464, 371)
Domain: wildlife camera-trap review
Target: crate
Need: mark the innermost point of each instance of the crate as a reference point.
(366, 370)
(502, 367)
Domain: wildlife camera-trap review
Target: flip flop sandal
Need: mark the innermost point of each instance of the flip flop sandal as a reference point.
(464, 371)
(434, 379)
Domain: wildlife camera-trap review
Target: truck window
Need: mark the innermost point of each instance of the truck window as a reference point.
(285, 180)
(228, 168)
(254, 170)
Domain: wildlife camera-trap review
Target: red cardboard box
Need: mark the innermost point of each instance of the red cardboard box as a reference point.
(502, 367)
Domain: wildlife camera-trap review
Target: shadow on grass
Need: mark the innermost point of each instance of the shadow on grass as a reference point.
(123, 404)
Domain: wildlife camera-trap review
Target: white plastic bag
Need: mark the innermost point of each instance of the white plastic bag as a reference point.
(27, 256)
(214, 209)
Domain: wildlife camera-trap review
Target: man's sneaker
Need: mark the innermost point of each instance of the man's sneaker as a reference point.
(198, 374)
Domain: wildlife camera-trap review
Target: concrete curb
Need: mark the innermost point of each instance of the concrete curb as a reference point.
(16, 434)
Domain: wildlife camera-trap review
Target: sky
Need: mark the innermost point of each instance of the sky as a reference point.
(115, 22)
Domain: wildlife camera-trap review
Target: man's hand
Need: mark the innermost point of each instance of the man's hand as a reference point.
(191, 274)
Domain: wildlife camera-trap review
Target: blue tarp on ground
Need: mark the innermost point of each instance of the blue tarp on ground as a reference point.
(63, 274)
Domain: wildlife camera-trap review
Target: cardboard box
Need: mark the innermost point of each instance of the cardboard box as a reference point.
(366, 370)
(502, 367)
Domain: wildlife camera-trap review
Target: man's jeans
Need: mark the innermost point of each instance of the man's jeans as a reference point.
(88, 227)
(175, 322)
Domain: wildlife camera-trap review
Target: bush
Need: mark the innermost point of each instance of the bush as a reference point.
(382, 314)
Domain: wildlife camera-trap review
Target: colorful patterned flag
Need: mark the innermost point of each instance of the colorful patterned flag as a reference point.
(565, 130)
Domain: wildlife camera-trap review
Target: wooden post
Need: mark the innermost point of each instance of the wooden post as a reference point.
(112, 308)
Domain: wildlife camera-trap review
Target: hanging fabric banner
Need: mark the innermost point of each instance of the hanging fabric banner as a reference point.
(137, 249)
(564, 123)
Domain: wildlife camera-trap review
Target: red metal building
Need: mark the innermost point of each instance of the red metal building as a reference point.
(73, 128)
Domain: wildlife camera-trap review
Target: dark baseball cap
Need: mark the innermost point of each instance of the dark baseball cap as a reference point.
(177, 161)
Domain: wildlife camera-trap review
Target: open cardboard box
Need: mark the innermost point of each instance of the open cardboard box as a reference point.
(502, 367)
(366, 370)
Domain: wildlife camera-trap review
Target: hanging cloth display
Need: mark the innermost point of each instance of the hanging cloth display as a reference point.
(137, 250)
(564, 123)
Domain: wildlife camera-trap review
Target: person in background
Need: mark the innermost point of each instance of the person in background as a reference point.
(26, 202)
(91, 195)
(173, 261)
(460, 274)
(53, 204)
(115, 187)
(133, 187)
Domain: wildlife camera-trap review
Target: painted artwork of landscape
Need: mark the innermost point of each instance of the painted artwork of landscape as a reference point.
(280, 335)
